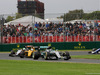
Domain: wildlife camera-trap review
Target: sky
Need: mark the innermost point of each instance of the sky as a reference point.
(53, 6)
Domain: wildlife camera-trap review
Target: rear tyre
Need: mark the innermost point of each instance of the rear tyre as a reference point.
(36, 55)
(89, 52)
(12, 53)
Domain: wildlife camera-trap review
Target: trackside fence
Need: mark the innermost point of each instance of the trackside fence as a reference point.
(46, 39)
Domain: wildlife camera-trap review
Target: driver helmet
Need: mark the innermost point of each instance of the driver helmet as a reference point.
(32, 49)
(23, 48)
(94, 49)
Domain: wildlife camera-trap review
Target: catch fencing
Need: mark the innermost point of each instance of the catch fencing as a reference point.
(45, 39)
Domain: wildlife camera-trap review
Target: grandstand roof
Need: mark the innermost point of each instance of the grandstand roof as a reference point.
(26, 20)
(55, 20)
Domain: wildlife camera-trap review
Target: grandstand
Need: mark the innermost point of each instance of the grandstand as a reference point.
(83, 31)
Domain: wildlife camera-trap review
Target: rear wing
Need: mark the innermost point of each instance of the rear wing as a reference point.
(46, 47)
(43, 47)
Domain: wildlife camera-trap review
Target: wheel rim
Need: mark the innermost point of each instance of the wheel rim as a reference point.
(33, 55)
(45, 56)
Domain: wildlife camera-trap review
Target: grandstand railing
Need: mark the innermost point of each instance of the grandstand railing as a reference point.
(43, 39)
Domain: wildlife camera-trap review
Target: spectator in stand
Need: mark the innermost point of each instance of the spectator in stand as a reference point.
(8, 34)
(98, 30)
(71, 28)
(50, 34)
(67, 32)
(55, 33)
(35, 29)
(91, 24)
(51, 25)
(47, 25)
(66, 28)
(71, 25)
(13, 35)
(17, 34)
(60, 29)
(40, 24)
(67, 24)
(45, 33)
(76, 23)
(91, 32)
(26, 28)
(25, 33)
(54, 27)
(80, 26)
(84, 24)
(96, 24)
(36, 25)
(43, 25)
(88, 25)
(60, 24)
(48, 29)
(17, 29)
(80, 23)
(36, 34)
(30, 33)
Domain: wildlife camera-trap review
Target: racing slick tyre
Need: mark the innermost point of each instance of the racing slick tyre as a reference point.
(98, 52)
(56, 58)
(47, 56)
(89, 52)
(22, 54)
(36, 55)
(67, 56)
(12, 53)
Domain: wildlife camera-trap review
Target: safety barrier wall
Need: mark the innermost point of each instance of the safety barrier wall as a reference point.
(59, 46)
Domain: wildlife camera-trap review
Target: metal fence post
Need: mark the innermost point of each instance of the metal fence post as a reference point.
(1, 29)
(33, 23)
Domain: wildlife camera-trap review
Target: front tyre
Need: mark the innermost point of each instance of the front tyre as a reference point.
(36, 55)
(67, 56)
(22, 54)
(47, 56)
(98, 52)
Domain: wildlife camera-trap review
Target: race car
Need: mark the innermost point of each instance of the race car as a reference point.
(50, 53)
(28, 52)
(94, 51)
(16, 52)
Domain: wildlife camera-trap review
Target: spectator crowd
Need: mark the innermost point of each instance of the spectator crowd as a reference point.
(52, 29)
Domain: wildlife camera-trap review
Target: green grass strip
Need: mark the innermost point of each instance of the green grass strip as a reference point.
(20, 67)
(92, 56)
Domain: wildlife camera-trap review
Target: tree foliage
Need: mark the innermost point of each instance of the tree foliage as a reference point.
(79, 14)
(9, 18)
(18, 15)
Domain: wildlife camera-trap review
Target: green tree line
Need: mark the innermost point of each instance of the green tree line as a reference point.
(79, 14)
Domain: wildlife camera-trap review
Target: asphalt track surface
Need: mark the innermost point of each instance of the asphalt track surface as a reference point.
(5, 56)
